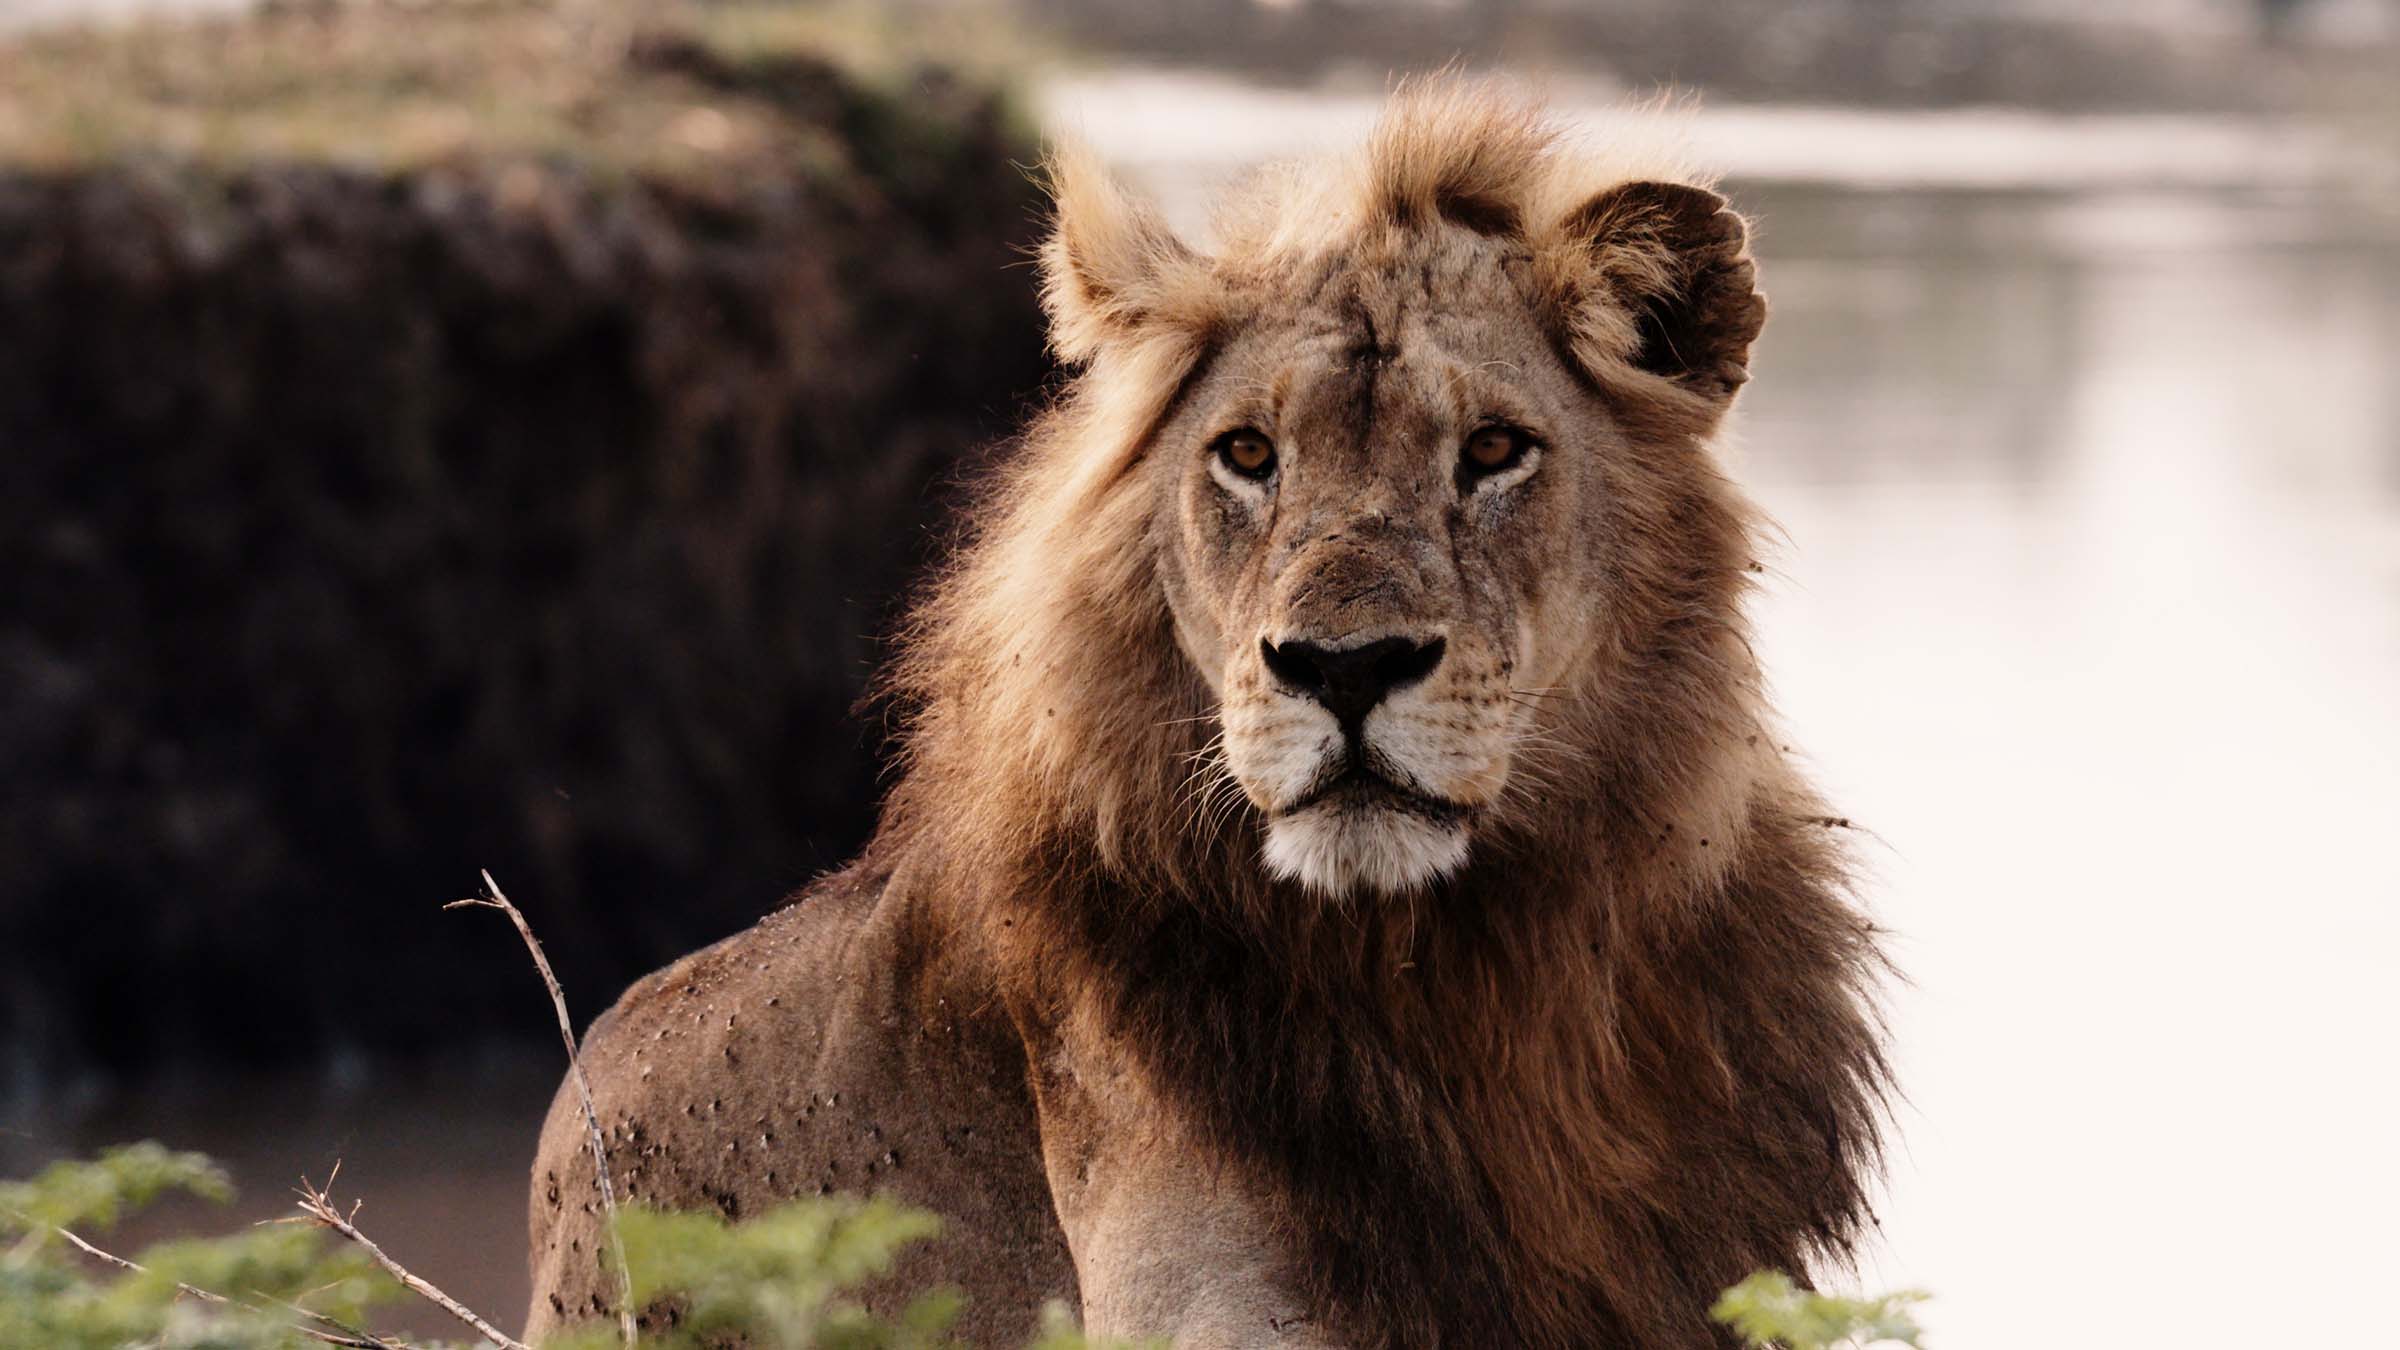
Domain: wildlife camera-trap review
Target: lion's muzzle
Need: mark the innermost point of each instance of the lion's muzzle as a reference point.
(1345, 808)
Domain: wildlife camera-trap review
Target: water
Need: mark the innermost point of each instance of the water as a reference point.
(439, 1153)
(2087, 451)
(2091, 609)
(2084, 439)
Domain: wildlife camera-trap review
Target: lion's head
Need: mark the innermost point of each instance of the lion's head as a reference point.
(1398, 477)
(1377, 501)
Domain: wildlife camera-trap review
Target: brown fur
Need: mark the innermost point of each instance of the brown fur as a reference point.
(1562, 1094)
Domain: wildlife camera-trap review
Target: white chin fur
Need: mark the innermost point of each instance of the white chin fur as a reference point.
(1335, 852)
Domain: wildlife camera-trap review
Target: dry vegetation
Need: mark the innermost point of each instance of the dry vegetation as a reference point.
(652, 88)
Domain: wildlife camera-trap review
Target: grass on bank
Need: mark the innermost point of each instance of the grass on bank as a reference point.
(674, 87)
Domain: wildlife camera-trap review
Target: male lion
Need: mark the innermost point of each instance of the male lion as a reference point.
(1344, 887)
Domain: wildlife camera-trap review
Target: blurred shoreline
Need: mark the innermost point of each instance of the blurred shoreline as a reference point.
(2258, 56)
(1185, 130)
(2204, 100)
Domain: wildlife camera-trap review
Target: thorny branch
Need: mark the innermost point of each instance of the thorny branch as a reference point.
(583, 1090)
(316, 1203)
(317, 1206)
(329, 1331)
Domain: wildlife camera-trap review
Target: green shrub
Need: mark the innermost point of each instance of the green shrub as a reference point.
(784, 1280)
(778, 1279)
(1768, 1309)
(56, 1296)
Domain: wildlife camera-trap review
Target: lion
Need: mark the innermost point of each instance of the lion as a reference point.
(1343, 884)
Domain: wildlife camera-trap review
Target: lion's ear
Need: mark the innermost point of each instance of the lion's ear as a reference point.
(1110, 261)
(1659, 278)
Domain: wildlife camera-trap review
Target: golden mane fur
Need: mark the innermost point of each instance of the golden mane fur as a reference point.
(1620, 1060)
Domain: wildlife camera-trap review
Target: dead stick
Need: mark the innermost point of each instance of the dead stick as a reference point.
(583, 1090)
(342, 1334)
(318, 1206)
(139, 1269)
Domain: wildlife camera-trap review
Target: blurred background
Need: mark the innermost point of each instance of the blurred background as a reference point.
(449, 434)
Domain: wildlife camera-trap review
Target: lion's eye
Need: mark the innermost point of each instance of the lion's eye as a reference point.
(1246, 452)
(1493, 450)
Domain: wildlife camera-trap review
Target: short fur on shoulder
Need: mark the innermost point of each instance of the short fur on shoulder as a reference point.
(1623, 1057)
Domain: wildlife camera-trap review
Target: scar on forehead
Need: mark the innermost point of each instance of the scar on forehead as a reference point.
(1374, 337)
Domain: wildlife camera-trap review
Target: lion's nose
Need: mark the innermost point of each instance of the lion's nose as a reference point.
(1350, 681)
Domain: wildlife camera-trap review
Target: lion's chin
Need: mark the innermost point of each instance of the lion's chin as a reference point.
(1336, 848)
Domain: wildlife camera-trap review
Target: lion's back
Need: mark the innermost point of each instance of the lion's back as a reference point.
(833, 1047)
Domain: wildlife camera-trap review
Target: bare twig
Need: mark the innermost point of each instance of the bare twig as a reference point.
(139, 1269)
(329, 1331)
(349, 1338)
(318, 1207)
(335, 1331)
(583, 1090)
(316, 1203)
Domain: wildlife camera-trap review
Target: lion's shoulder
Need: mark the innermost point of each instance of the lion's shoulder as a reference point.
(778, 958)
(839, 1045)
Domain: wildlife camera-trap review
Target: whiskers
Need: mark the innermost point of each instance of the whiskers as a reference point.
(1540, 759)
(1211, 797)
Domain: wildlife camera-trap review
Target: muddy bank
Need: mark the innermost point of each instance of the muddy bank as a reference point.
(528, 504)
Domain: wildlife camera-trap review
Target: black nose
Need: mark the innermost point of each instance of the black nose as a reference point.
(1352, 680)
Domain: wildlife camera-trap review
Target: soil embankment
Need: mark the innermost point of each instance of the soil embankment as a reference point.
(433, 440)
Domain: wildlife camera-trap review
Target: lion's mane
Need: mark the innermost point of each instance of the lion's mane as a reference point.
(1625, 1057)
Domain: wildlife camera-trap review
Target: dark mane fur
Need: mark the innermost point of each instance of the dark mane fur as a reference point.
(1563, 1099)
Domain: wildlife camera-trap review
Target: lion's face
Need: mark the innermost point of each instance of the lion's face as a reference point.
(1418, 462)
(1370, 504)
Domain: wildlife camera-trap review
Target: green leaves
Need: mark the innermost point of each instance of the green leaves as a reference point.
(788, 1280)
(95, 1194)
(1768, 1309)
(56, 1295)
(782, 1280)
(270, 1267)
(1059, 1332)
